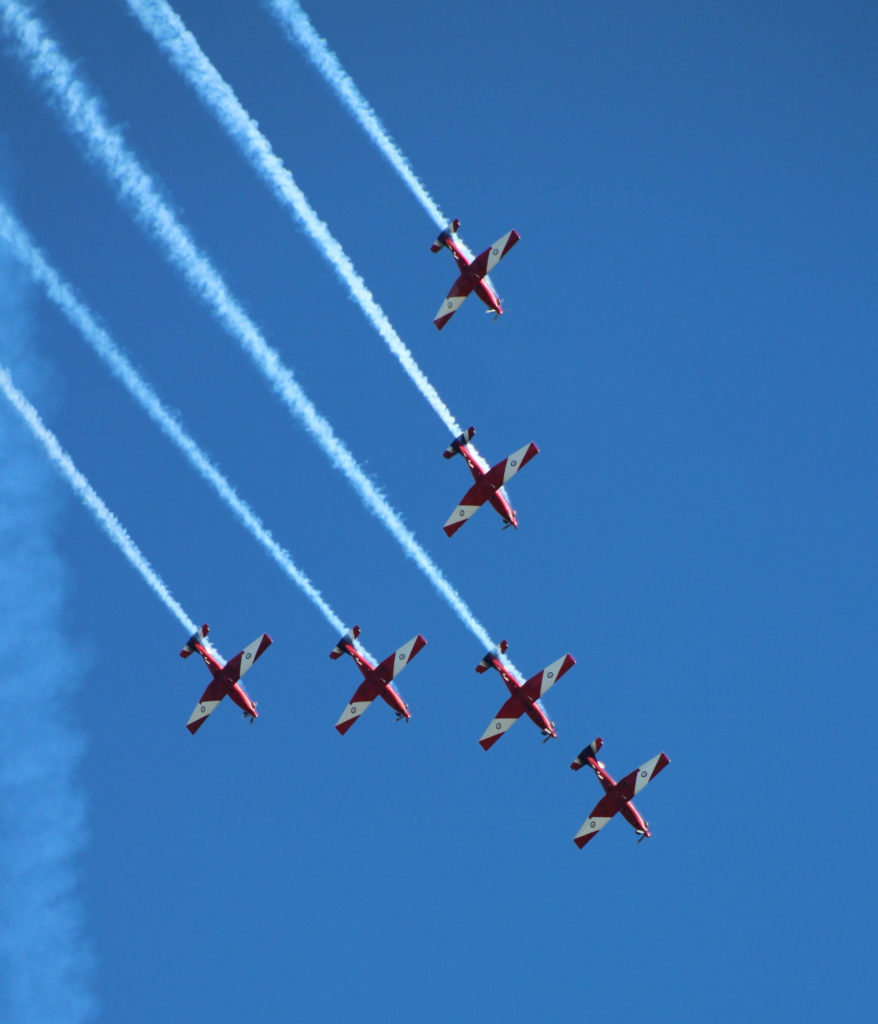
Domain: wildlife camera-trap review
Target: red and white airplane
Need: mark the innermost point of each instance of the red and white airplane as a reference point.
(225, 677)
(617, 795)
(489, 485)
(473, 276)
(524, 699)
(377, 681)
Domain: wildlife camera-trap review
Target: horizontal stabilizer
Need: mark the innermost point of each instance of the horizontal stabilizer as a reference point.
(444, 235)
(196, 638)
(341, 647)
(591, 751)
(462, 439)
(488, 660)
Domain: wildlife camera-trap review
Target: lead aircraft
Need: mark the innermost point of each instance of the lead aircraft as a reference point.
(377, 681)
(617, 795)
(473, 276)
(225, 677)
(524, 699)
(489, 486)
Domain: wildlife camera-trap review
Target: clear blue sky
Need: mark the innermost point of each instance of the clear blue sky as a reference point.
(689, 338)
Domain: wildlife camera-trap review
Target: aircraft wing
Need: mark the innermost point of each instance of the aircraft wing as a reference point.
(507, 716)
(243, 660)
(209, 700)
(485, 262)
(453, 301)
(632, 784)
(500, 474)
(606, 807)
(542, 682)
(394, 663)
(366, 693)
(470, 503)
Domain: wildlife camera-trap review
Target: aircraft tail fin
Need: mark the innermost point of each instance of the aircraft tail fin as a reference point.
(348, 638)
(196, 638)
(452, 228)
(590, 751)
(486, 662)
(462, 439)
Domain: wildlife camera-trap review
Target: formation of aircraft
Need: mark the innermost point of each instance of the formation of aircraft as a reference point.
(524, 698)
(473, 276)
(378, 680)
(489, 485)
(225, 681)
(617, 796)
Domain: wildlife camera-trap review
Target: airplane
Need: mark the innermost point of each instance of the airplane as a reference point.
(617, 795)
(225, 677)
(524, 698)
(377, 681)
(489, 486)
(473, 276)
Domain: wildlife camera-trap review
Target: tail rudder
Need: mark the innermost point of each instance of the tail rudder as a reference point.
(488, 660)
(341, 647)
(462, 439)
(591, 751)
(196, 638)
(444, 235)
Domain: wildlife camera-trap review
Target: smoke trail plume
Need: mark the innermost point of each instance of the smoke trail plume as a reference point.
(46, 963)
(79, 315)
(84, 118)
(89, 497)
(168, 30)
(299, 30)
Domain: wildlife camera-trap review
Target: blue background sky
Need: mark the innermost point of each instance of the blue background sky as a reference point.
(690, 339)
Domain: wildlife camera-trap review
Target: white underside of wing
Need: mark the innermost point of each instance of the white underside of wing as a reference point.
(497, 727)
(353, 712)
(461, 514)
(591, 826)
(450, 305)
(645, 773)
(202, 710)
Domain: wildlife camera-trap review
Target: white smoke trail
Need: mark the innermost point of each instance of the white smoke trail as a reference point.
(46, 957)
(168, 30)
(299, 30)
(62, 294)
(84, 118)
(89, 497)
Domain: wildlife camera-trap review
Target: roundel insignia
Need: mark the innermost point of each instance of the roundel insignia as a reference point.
(495, 251)
(643, 775)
